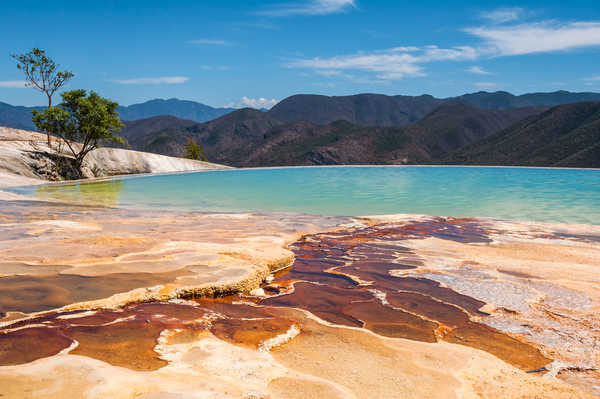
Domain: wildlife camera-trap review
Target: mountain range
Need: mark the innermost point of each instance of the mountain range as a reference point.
(19, 117)
(542, 129)
(249, 137)
(382, 110)
(563, 136)
(360, 109)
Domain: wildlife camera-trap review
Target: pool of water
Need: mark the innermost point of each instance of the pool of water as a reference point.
(556, 195)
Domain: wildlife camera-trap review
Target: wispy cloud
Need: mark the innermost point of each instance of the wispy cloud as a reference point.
(308, 7)
(478, 71)
(258, 25)
(592, 81)
(499, 38)
(391, 64)
(485, 85)
(502, 15)
(214, 67)
(153, 81)
(210, 42)
(256, 103)
(541, 37)
(13, 84)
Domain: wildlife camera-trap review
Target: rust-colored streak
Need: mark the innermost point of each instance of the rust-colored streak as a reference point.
(341, 273)
(393, 323)
(29, 294)
(128, 344)
(433, 289)
(173, 312)
(328, 303)
(122, 338)
(430, 308)
(249, 333)
(343, 278)
(29, 344)
(511, 350)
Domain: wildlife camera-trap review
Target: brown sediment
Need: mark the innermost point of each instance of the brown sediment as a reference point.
(424, 305)
(249, 333)
(344, 278)
(123, 338)
(29, 344)
(393, 323)
(128, 337)
(516, 273)
(31, 294)
(326, 302)
(479, 336)
(127, 344)
(323, 281)
(582, 237)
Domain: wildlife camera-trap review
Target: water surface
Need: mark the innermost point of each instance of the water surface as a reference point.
(556, 195)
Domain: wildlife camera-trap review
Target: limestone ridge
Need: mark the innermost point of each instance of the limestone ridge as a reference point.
(25, 155)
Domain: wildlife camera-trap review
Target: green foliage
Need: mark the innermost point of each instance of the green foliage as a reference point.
(41, 73)
(193, 150)
(391, 139)
(82, 121)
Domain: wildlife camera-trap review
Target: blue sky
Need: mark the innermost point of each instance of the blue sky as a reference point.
(237, 53)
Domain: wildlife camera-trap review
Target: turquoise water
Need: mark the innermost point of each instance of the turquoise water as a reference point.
(557, 195)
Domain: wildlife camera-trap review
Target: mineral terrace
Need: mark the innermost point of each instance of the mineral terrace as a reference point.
(99, 302)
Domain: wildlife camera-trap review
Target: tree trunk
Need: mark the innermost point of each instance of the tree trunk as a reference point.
(48, 133)
(77, 164)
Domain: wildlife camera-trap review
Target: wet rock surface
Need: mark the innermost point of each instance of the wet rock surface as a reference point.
(115, 303)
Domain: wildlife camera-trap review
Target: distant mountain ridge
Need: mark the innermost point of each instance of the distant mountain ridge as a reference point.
(382, 110)
(19, 117)
(479, 128)
(181, 109)
(249, 137)
(360, 109)
(565, 135)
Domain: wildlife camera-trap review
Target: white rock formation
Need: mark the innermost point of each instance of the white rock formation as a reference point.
(24, 160)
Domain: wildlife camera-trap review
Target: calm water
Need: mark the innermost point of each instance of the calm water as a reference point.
(571, 196)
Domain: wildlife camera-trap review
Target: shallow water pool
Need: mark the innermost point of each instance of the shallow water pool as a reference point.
(537, 194)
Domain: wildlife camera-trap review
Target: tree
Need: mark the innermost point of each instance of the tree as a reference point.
(82, 121)
(194, 151)
(41, 73)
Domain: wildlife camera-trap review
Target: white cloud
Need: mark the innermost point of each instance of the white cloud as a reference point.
(458, 53)
(542, 37)
(257, 103)
(495, 41)
(214, 67)
(593, 79)
(485, 85)
(309, 7)
(502, 15)
(153, 81)
(391, 64)
(478, 70)
(401, 49)
(13, 83)
(384, 65)
(213, 42)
